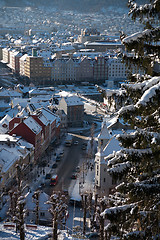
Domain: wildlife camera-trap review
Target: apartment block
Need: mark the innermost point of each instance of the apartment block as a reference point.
(100, 69)
(37, 70)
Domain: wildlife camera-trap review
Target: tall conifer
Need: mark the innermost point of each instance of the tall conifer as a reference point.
(135, 211)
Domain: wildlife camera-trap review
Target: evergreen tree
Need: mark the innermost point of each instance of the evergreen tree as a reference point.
(135, 211)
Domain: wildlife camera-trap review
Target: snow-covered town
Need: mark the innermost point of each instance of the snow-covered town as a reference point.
(79, 120)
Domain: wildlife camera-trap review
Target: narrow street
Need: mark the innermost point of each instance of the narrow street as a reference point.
(66, 167)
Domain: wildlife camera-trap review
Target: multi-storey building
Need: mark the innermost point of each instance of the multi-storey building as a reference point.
(100, 69)
(15, 61)
(30, 130)
(116, 69)
(5, 53)
(22, 62)
(64, 70)
(1, 54)
(37, 70)
(107, 144)
(13, 151)
(85, 70)
(74, 109)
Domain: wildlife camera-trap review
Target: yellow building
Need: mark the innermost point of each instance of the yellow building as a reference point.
(37, 70)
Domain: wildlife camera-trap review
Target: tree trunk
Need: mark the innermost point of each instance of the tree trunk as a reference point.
(84, 214)
(55, 227)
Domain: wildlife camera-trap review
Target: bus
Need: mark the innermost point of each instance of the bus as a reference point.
(68, 140)
(54, 180)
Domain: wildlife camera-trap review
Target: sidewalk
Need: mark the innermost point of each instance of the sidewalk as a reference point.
(78, 187)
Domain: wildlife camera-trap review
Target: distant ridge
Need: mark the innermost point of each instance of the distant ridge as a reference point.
(79, 5)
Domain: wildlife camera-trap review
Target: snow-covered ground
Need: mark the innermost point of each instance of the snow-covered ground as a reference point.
(7, 232)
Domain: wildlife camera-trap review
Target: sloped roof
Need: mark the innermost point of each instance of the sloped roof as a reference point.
(33, 125)
(113, 145)
(4, 124)
(104, 134)
(43, 198)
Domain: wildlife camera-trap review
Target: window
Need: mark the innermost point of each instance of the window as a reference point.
(105, 170)
(97, 173)
(104, 180)
(42, 214)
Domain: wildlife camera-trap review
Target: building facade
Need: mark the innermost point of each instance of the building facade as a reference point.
(74, 109)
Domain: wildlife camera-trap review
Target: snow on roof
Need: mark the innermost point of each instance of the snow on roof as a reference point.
(13, 112)
(4, 124)
(103, 43)
(21, 101)
(73, 101)
(23, 58)
(33, 125)
(104, 133)
(42, 117)
(23, 142)
(8, 156)
(117, 92)
(112, 146)
(38, 92)
(10, 93)
(43, 198)
(49, 115)
(7, 137)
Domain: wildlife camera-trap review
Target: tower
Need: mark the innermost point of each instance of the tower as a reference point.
(103, 137)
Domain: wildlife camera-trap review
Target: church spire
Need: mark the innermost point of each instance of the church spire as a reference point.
(104, 136)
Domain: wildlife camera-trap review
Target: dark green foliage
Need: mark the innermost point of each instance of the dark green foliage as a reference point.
(138, 163)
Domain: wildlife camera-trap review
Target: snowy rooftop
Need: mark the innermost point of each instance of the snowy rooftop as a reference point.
(33, 125)
(4, 124)
(7, 137)
(73, 101)
(8, 156)
(104, 134)
(49, 115)
(112, 146)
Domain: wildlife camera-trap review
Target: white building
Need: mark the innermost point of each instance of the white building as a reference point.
(106, 145)
(44, 215)
(116, 69)
(22, 62)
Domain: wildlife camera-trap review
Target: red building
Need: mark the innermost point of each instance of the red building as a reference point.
(31, 131)
(54, 120)
(39, 129)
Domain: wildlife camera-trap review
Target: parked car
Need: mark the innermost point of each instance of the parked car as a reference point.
(78, 169)
(42, 185)
(48, 175)
(84, 144)
(61, 154)
(58, 158)
(76, 143)
(84, 147)
(74, 176)
(55, 165)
